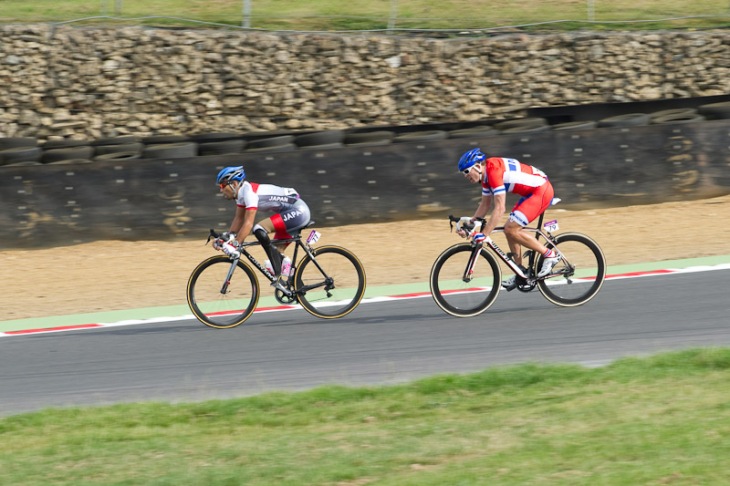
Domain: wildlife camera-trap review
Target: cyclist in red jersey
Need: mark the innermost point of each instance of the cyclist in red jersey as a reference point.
(498, 176)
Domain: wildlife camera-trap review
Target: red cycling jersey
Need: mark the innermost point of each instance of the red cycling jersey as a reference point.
(511, 175)
(504, 175)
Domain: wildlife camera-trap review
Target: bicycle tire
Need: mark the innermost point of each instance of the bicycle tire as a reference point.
(579, 276)
(210, 305)
(461, 298)
(342, 295)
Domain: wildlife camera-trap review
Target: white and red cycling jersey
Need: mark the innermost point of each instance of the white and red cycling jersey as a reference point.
(503, 175)
(291, 213)
(266, 197)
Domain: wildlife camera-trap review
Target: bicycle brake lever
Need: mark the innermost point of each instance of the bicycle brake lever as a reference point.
(212, 234)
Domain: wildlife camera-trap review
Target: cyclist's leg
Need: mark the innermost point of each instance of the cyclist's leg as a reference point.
(510, 227)
(284, 225)
(261, 231)
(524, 212)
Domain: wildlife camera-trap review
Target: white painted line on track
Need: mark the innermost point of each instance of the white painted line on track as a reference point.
(371, 300)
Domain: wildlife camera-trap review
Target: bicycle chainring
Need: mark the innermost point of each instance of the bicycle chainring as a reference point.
(283, 298)
(526, 285)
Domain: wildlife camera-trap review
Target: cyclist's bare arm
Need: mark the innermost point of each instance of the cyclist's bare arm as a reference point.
(498, 203)
(242, 223)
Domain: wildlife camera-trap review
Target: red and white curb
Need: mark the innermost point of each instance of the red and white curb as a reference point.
(282, 308)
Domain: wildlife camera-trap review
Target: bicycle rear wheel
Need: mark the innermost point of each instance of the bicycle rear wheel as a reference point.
(220, 301)
(458, 292)
(578, 276)
(332, 284)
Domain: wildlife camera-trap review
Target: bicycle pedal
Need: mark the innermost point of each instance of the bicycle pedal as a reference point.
(278, 285)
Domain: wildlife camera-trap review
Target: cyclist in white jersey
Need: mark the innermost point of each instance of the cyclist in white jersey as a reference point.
(290, 212)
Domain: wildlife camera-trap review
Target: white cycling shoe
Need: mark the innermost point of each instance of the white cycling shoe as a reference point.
(510, 283)
(548, 264)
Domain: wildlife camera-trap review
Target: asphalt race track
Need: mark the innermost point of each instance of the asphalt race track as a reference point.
(379, 343)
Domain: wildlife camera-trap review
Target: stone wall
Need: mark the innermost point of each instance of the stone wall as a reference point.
(89, 83)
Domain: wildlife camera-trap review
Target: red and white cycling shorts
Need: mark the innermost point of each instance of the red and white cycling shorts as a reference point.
(528, 208)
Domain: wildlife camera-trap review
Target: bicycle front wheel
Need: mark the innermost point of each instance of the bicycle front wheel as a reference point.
(222, 293)
(332, 284)
(461, 287)
(578, 276)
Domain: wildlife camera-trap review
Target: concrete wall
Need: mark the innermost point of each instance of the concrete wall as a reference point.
(88, 83)
(177, 198)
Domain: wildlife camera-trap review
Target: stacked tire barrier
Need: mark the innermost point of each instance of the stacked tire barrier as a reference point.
(27, 151)
(155, 189)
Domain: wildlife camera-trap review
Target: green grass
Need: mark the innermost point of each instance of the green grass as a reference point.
(378, 14)
(653, 421)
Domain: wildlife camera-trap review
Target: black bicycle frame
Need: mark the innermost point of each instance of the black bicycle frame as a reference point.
(507, 259)
(272, 278)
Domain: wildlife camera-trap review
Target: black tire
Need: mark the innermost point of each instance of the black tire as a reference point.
(215, 137)
(320, 138)
(287, 147)
(677, 118)
(63, 143)
(14, 142)
(462, 297)
(371, 143)
(67, 153)
(135, 147)
(715, 110)
(673, 112)
(578, 277)
(269, 142)
(117, 156)
(120, 140)
(160, 139)
(377, 137)
(575, 125)
(20, 154)
(627, 120)
(20, 164)
(327, 146)
(521, 123)
(334, 293)
(221, 147)
(473, 132)
(210, 305)
(70, 162)
(179, 150)
(527, 129)
(424, 136)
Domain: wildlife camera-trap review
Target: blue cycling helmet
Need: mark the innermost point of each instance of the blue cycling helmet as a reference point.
(470, 158)
(230, 174)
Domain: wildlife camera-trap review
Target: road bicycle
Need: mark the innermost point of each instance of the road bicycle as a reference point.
(465, 279)
(223, 291)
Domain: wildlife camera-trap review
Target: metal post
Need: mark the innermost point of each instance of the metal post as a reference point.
(393, 14)
(246, 14)
(591, 10)
(118, 7)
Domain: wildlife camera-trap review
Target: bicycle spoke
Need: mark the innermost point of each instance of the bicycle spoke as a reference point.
(333, 286)
(460, 288)
(579, 275)
(221, 295)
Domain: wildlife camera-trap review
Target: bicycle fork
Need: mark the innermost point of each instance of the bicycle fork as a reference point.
(227, 282)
